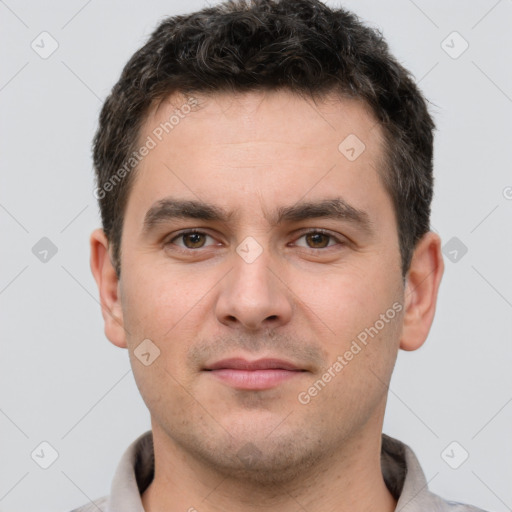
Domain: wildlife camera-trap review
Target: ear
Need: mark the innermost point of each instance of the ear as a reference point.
(108, 285)
(421, 289)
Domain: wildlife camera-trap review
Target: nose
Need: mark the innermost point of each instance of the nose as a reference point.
(253, 296)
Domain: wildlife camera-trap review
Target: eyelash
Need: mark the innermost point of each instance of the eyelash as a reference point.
(305, 233)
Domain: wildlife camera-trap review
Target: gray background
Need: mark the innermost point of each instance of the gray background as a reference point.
(62, 382)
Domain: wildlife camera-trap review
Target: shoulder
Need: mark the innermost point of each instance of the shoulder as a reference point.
(98, 505)
(405, 479)
(453, 506)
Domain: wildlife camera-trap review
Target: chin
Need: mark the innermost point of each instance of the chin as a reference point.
(265, 459)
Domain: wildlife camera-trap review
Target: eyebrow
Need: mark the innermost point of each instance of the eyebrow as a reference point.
(335, 208)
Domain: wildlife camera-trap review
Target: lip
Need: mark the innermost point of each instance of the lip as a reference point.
(261, 374)
(239, 363)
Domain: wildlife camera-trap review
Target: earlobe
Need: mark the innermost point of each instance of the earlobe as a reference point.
(108, 285)
(420, 296)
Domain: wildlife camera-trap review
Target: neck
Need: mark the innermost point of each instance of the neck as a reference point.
(350, 480)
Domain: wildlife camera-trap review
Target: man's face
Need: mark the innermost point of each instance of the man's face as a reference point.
(273, 277)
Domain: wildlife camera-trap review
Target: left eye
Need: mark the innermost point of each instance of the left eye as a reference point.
(317, 240)
(191, 240)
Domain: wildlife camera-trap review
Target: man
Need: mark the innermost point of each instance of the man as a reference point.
(264, 174)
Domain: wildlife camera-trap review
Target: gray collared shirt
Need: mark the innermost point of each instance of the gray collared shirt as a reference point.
(400, 468)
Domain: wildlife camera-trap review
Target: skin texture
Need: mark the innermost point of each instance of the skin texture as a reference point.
(303, 299)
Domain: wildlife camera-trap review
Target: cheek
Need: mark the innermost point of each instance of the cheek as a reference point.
(359, 366)
(346, 301)
(161, 311)
(165, 389)
(160, 302)
(169, 311)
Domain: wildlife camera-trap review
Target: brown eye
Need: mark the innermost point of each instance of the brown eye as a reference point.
(317, 240)
(193, 240)
(190, 240)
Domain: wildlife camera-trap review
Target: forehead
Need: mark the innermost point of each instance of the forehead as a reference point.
(265, 148)
(248, 117)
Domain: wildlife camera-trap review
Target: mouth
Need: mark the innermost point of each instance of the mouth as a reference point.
(262, 374)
